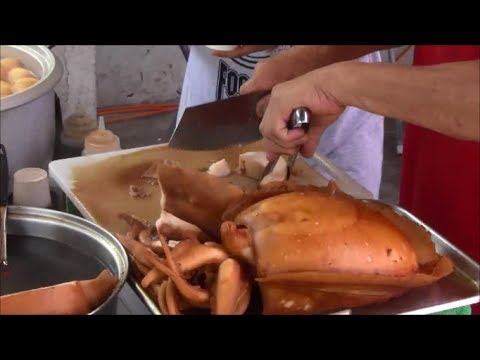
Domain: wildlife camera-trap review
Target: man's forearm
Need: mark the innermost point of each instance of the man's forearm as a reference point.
(338, 53)
(323, 55)
(444, 98)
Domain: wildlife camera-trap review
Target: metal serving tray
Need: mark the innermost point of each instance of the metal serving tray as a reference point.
(461, 288)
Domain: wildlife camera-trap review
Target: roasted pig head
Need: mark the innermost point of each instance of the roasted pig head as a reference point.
(317, 250)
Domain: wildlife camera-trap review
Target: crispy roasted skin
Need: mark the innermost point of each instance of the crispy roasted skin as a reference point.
(312, 249)
(314, 231)
(317, 249)
(268, 191)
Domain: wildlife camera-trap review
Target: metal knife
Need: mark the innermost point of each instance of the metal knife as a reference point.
(234, 121)
(219, 124)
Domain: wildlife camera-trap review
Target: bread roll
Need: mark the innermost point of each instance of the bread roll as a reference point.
(22, 84)
(9, 63)
(19, 73)
(3, 74)
(5, 89)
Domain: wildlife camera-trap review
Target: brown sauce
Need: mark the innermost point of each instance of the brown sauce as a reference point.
(35, 262)
(103, 187)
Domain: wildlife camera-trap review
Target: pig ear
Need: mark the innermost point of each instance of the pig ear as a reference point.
(196, 197)
(232, 289)
(237, 242)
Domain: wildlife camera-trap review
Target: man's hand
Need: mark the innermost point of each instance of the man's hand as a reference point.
(285, 66)
(311, 91)
(242, 50)
(443, 98)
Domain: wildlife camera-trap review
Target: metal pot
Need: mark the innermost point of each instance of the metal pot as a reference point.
(47, 247)
(27, 118)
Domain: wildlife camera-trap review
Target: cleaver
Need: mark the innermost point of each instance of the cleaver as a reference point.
(219, 124)
(234, 121)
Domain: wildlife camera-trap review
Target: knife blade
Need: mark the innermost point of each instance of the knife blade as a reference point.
(219, 124)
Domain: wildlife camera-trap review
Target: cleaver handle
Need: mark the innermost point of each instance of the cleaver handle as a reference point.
(300, 119)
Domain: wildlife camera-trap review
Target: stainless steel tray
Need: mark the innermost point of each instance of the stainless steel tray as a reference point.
(60, 172)
(461, 288)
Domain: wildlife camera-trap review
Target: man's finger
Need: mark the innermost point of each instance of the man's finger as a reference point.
(286, 148)
(274, 125)
(272, 156)
(261, 79)
(309, 148)
(253, 85)
(230, 53)
(313, 139)
(268, 145)
(275, 149)
(262, 105)
(288, 137)
(241, 50)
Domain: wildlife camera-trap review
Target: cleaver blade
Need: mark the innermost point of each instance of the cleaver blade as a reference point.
(219, 124)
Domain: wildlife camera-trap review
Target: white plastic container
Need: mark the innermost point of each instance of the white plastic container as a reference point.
(31, 188)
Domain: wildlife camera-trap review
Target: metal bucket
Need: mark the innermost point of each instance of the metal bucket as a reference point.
(27, 118)
(47, 247)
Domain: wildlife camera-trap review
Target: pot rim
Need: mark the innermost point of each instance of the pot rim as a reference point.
(41, 216)
(52, 73)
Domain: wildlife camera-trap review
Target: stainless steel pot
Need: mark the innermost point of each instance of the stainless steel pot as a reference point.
(47, 247)
(27, 118)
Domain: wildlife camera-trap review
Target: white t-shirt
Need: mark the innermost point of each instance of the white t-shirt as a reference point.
(354, 142)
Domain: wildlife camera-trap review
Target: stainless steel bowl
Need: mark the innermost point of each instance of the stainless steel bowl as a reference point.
(48, 229)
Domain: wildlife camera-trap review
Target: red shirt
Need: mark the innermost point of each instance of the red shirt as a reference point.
(440, 175)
